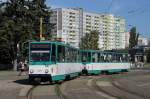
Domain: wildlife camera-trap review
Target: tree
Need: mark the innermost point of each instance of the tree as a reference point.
(90, 41)
(133, 41)
(19, 22)
(38, 9)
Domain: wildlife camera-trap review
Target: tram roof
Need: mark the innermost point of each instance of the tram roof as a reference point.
(100, 51)
(66, 45)
(53, 42)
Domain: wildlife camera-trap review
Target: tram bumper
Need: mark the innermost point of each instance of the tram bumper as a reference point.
(40, 77)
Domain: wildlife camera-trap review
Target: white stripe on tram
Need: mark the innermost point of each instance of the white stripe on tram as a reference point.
(39, 51)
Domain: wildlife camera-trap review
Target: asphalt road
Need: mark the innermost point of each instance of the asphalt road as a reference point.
(134, 84)
(44, 92)
(13, 86)
(131, 85)
(82, 88)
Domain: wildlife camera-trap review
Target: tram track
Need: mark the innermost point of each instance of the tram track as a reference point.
(29, 94)
(59, 91)
(120, 93)
(117, 85)
(124, 94)
(56, 88)
(102, 92)
(92, 84)
(80, 88)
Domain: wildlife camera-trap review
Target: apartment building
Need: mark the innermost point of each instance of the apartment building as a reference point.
(72, 24)
(120, 34)
(67, 25)
(127, 37)
(92, 21)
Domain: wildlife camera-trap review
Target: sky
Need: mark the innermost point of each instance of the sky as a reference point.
(135, 12)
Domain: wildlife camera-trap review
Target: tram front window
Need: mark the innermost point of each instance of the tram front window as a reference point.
(40, 52)
(38, 56)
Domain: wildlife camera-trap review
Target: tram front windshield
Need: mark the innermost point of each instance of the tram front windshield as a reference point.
(40, 52)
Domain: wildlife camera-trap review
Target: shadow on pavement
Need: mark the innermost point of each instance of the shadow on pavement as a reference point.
(22, 81)
(26, 82)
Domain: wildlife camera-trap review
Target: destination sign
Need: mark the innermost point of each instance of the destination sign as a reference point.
(40, 46)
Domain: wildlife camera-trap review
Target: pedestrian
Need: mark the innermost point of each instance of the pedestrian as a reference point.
(21, 68)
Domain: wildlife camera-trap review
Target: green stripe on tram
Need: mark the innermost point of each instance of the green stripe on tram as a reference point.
(58, 77)
(114, 70)
(74, 74)
(63, 76)
(94, 71)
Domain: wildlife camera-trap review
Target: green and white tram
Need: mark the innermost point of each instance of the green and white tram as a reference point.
(96, 62)
(53, 61)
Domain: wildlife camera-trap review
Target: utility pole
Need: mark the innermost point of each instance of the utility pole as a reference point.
(41, 25)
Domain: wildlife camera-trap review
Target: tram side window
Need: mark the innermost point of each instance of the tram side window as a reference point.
(109, 57)
(118, 58)
(53, 54)
(74, 55)
(84, 57)
(78, 56)
(71, 55)
(89, 56)
(94, 57)
(125, 57)
(114, 57)
(105, 57)
(99, 57)
(122, 58)
(61, 53)
(67, 54)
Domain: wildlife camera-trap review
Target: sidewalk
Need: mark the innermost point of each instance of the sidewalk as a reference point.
(13, 86)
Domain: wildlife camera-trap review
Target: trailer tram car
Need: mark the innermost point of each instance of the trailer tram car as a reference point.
(53, 61)
(96, 62)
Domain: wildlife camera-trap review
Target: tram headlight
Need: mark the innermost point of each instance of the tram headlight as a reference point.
(31, 71)
(46, 70)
